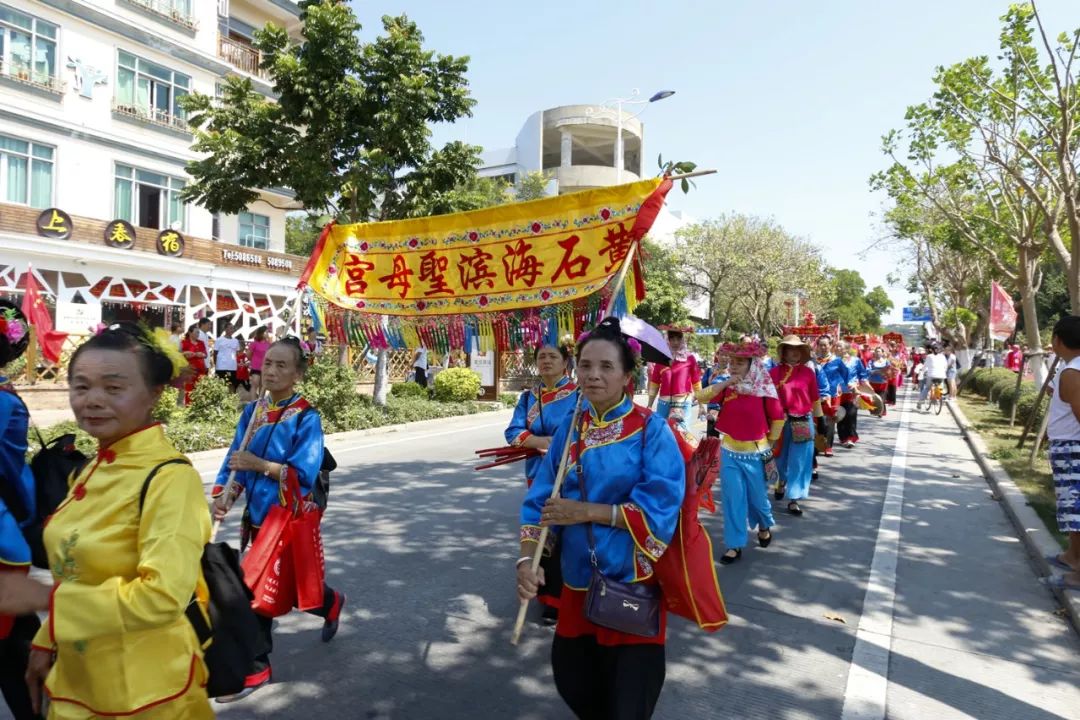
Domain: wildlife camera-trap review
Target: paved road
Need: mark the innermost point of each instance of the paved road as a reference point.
(425, 547)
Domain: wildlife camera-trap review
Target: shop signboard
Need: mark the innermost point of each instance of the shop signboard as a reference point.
(483, 363)
(120, 234)
(170, 243)
(54, 223)
(77, 318)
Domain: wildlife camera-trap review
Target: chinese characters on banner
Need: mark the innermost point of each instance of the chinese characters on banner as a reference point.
(1002, 313)
(503, 258)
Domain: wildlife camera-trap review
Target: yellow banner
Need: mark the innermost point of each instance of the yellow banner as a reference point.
(508, 257)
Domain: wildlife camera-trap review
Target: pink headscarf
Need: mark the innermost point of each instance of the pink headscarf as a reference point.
(757, 381)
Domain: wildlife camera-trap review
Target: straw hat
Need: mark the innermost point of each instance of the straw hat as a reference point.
(796, 342)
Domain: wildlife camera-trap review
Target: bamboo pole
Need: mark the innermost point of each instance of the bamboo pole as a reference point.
(1016, 392)
(227, 492)
(696, 173)
(557, 487)
(1038, 401)
(1038, 438)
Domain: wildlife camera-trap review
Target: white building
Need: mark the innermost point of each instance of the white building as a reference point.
(576, 145)
(90, 125)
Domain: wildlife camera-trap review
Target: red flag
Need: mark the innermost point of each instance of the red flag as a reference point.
(1002, 313)
(37, 315)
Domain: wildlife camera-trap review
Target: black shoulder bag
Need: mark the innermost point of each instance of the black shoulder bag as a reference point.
(632, 608)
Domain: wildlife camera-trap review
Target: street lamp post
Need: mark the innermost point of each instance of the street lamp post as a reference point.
(618, 103)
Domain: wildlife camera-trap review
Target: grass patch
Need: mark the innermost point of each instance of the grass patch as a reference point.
(1036, 483)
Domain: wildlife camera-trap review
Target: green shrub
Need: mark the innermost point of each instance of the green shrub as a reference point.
(166, 410)
(408, 389)
(985, 382)
(1001, 386)
(978, 380)
(195, 436)
(509, 399)
(457, 385)
(331, 389)
(1025, 406)
(1011, 397)
(212, 402)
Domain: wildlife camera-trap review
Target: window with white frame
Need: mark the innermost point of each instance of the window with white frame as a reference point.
(149, 89)
(149, 199)
(26, 172)
(27, 47)
(254, 230)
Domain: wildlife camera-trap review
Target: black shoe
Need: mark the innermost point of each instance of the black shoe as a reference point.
(549, 615)
(726, 559)
(779, 491)
(764, 542)
(333, 619)
(794, 509)
(813, 475)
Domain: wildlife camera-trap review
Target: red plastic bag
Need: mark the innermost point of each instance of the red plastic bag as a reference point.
(687, 571)
(308, 561)
(268, 565)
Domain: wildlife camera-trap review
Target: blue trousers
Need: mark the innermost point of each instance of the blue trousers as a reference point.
(665, 407)
(742, 485)
(796, 463)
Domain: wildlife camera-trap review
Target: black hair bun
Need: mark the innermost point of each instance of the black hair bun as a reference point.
(608, 328)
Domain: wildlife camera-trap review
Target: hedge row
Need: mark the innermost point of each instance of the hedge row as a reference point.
(210, 420)
(998, 385)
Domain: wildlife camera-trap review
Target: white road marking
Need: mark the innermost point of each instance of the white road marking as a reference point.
(410, 438)
(868, 678)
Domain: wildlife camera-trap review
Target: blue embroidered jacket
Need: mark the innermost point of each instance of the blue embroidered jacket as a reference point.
(541, 412)
(833, 377)
(14, 472)
(856, 372)
(629, 458)
(284, 434)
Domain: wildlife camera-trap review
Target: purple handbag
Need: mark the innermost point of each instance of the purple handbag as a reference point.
(632, 608)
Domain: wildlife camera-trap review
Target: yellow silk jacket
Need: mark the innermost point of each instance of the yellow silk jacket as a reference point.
(123, 579)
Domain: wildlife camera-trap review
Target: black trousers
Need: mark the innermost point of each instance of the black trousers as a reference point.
(266, 625)
(421, 376)
(608, 683)
(847, 428)
(14, 653)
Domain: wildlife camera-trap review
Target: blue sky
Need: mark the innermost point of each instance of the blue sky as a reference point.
(787, 99)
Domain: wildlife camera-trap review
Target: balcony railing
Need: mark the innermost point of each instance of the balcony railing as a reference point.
(26, 75)
(166, 10)
(150, 116)
(241, 56)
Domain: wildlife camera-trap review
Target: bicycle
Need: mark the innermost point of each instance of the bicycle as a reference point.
(937, 396)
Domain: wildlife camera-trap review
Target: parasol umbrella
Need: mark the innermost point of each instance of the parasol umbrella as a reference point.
(654, 346)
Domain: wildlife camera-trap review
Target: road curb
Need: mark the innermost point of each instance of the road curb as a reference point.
(1029, 526)
(369, 432)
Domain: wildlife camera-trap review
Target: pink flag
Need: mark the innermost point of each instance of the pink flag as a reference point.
(1002, 313)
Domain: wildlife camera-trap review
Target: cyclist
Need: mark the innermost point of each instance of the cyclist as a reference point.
(937, 370)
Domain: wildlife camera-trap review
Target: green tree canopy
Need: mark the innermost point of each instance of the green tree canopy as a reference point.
(747, 267)
(665, 296)
(857, 310)
(349, 132)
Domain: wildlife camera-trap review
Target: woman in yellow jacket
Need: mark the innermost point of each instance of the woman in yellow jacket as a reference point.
(117, 642)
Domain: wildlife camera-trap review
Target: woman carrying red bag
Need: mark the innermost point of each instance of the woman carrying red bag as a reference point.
(278, 467)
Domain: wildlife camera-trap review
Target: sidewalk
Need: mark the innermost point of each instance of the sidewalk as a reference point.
(975, 634)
